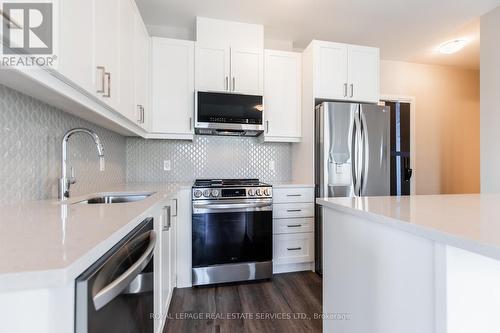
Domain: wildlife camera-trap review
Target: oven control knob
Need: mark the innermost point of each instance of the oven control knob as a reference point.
(206, 193)
(215, 193)
(267, 192)
(251, 192)
(197, 193)
(258, 192)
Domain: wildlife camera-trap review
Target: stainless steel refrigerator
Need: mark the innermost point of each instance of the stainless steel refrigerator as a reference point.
(352, 155)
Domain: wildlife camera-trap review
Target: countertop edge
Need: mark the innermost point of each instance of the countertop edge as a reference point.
(292, 185)
(418, 230)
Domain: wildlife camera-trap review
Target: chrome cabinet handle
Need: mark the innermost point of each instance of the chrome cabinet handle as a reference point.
(113, 289)
(294, 225)
(293, 210)
(234, 83)
(108, 75)
(294, 195)
(294, 248)
(166, 217)
(139, 111)
(102, 70)
(267, 126)
(190, 123)
(345, 89)
(352, 90)
(175, 207)
(140, 108)
(227, 84)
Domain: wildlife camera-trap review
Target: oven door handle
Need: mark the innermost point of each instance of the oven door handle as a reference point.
(232, 206)
(115, 288)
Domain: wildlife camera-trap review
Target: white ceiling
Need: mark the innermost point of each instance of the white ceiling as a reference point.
(407, 30)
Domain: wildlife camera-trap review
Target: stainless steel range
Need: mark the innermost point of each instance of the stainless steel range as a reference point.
(232, 230)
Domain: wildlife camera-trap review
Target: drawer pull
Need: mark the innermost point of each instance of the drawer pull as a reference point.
(294, 248)
(293, 210)
(294, 195)
(294, 225)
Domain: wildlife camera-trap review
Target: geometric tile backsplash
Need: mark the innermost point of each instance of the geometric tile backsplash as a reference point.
(207, 157)
(30, 153)
(30, 150)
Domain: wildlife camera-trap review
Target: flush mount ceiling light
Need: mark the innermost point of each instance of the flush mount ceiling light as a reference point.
(452, 46)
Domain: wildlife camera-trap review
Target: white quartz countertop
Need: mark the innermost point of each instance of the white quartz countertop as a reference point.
(291, 185)
(46, 243)
(470, 222)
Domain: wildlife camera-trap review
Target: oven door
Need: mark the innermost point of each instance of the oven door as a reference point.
(232, 241)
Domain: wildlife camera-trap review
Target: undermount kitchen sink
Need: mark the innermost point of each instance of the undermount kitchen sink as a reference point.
(115, 198)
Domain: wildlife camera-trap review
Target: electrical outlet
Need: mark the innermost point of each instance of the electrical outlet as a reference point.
(272, 166)
(167, 166)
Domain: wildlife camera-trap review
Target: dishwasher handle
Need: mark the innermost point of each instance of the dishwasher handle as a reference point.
(115, 288)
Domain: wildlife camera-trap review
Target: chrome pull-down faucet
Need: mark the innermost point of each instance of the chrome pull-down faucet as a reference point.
(65, 182)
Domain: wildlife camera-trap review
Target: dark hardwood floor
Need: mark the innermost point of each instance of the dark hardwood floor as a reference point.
(287, 303)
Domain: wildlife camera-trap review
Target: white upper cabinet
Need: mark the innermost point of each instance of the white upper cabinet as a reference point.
(282, 96)
(331, 70)
(229, 57)
(363, 71)
(247, 71)
(76, 42)
(142, 52)
(212, 67)
(127, 60)
(107, 57)
(346, 72)
(173, 88)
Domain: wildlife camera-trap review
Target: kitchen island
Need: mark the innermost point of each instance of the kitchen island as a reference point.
(411, 264)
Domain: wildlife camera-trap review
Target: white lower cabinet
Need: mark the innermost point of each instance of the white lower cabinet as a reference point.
(165, 262)
(293, 248)
(293, 229)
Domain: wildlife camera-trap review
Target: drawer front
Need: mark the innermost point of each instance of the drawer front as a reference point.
(287, 195)
(293, 248)
(293, 226)
(293, 210)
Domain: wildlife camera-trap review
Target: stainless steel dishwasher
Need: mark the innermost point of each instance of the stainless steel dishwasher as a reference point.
(115, 294)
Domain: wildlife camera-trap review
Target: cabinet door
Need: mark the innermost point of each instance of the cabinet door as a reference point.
(166, 268)
(212, 67)
(282, 96)
(76, 42)
(363, 72)
(247, 71)
(127, 60)
(106, 29)
(173, 86)
(330, 62)
(142, 110)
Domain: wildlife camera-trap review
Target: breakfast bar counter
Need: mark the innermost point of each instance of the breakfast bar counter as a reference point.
(411, 264)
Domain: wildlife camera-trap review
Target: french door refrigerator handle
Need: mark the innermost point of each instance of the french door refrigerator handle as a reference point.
(365, 152)
(354, 154)
(113, 289)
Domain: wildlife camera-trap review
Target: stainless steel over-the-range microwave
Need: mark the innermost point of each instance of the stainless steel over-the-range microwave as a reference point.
(228, 114)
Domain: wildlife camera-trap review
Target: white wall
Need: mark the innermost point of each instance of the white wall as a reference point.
(447, 123)
(490, 102)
